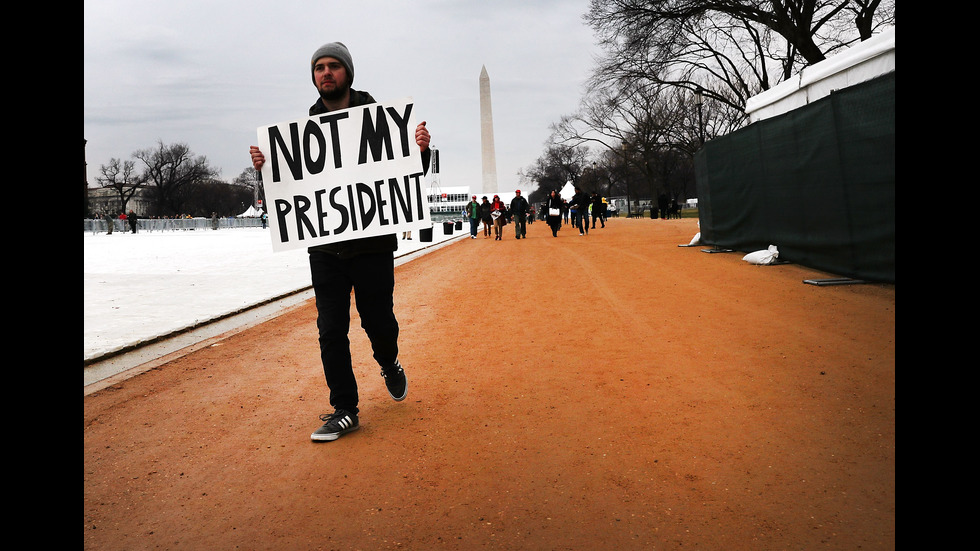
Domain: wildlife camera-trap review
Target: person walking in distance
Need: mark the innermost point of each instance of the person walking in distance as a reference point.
(364, 265)
(519, 210)
(554, 211)
(497, 209)
(598, 210)
(580, 201)
(486, 216)
(473, 215)
(133, 221)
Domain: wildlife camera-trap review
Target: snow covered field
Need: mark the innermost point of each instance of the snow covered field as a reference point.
(150, 284)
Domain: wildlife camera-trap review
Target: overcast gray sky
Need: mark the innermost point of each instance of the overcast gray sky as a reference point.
(208, 73)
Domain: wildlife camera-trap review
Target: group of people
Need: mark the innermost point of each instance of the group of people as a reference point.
(668, 208)
(580, 207)
(494, 215)
(131, 218)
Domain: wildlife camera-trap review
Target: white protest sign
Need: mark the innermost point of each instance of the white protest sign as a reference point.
(343, 175)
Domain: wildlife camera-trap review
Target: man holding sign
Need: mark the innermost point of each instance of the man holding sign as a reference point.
(350, 257)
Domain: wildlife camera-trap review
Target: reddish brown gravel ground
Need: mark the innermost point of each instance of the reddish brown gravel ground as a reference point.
(613, 391)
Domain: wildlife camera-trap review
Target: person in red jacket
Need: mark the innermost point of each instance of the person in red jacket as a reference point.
(497, 211)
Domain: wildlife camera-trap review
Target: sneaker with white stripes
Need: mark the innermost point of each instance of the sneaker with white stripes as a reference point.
(335, 425)
(395, 381)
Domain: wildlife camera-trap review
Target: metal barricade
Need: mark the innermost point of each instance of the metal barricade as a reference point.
(99, 225)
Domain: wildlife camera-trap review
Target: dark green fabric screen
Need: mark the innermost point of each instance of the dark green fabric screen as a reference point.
(817, 182)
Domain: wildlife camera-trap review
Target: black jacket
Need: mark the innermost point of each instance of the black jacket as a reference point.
(363, 245)
(485, 210)
(518, 207)
(554, 203)
(597, 205)
(580, 202)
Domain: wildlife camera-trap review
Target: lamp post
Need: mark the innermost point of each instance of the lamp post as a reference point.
(626, 176)
(698, 100)
(595, 176)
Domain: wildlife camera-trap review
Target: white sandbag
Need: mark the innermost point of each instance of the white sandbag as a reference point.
(763, 257)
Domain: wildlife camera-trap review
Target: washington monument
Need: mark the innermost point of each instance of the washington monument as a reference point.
(486, 135)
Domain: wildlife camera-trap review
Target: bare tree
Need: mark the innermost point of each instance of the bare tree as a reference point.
(252, 179)
(730, 50)
(611, 172)
(172, 170)
(647, 136)
(121, 177)
(215, 196)
(559, 164)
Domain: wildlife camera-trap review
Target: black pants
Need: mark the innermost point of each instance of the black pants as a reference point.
(582, 223)
(554, 222)
(372, 278)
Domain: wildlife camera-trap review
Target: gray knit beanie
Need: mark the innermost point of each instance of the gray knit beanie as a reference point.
(338, 51)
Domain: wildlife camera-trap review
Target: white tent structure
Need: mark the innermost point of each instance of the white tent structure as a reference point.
(863, 61)
(252, 212)
(567, 191)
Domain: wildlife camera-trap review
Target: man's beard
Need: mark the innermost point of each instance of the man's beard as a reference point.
(336, 94)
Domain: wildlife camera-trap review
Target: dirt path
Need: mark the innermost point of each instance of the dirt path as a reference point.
(614, 391)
